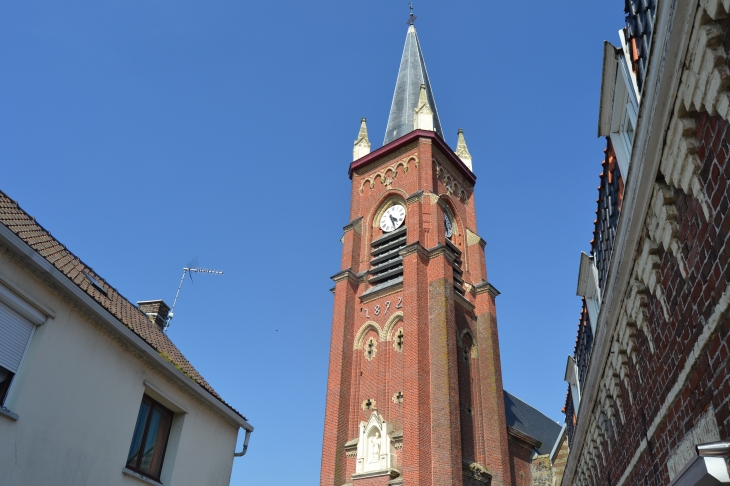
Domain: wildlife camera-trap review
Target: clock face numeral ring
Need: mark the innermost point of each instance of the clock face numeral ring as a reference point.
(392, 218)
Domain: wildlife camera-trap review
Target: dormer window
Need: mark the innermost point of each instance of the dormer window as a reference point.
(619, 106)
(623, 117)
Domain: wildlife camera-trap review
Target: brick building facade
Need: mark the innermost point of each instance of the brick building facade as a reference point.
(414, 390)
(648, 380)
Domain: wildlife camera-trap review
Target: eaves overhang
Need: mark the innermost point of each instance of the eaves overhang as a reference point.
(399, 143)
(44, 267)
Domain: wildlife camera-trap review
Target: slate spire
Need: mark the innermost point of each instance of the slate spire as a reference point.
(411, 75)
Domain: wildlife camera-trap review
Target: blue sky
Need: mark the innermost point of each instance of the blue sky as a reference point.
(145, 133)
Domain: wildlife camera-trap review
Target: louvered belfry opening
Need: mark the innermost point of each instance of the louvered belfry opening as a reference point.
(458, 272)
(386, 266)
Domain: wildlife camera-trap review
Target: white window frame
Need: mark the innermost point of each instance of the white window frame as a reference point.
(624, 111)
(157, 393)
(588, 288)
(36, 314)
(571, 376)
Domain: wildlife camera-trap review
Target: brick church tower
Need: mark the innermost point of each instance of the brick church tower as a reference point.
(414, 391)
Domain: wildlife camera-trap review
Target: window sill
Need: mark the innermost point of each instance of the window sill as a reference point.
(139, 477)
(7, 413)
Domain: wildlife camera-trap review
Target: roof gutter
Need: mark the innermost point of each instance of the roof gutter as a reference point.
(43, 266)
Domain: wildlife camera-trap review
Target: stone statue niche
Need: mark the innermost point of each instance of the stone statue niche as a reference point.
(375, 452)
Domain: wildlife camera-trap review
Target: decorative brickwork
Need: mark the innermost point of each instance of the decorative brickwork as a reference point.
(657, 381)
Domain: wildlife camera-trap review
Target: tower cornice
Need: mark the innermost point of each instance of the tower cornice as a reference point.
(401, 142)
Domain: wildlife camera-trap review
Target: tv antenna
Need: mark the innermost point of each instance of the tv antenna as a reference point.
(189, 270)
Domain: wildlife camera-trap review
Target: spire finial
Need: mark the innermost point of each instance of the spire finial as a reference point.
(362, 145)
(412, 17)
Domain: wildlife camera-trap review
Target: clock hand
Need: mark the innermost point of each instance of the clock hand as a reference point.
(393, 220)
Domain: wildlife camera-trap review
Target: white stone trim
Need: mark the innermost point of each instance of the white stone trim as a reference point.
(706, 77)
(369, 325)
(680, 164)
(662, 223)
(390, 325)
(376, 432)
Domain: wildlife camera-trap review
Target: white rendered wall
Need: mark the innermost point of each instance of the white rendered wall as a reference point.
(77, 396)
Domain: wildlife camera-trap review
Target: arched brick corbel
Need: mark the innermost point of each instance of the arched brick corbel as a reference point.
(706, 76)
(681, 164)
(597, 440)
(620, 363)
(646, 271)
(635, 312)
(661, 222)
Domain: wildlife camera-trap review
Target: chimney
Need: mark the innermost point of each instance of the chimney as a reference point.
(156, 310)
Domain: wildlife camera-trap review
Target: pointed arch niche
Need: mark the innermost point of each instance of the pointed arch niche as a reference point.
(375, 451)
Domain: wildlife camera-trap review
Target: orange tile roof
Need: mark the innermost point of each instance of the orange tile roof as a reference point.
(41, 240)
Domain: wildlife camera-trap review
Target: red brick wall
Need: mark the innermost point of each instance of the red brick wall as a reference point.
(691, 301)
(520, 458)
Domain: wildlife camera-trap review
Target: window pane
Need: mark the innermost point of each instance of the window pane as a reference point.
(154, 448)
(6, 377)
(133, 456)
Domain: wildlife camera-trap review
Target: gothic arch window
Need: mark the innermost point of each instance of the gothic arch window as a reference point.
(467, 346)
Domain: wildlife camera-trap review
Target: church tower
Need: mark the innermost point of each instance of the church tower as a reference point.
(414, 393)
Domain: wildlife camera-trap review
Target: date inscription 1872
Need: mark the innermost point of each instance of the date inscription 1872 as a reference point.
(378, 309)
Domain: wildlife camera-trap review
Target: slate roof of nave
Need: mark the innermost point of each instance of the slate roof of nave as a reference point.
(531, 421)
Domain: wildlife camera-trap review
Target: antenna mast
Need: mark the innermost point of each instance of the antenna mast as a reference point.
(187, 271)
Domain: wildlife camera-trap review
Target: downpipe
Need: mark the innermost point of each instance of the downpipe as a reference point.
(245, 445)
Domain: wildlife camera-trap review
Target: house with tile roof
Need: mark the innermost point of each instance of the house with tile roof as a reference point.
(92, 390)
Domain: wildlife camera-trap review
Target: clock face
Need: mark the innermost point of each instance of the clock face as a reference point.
(448, 226)
(392, 218)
